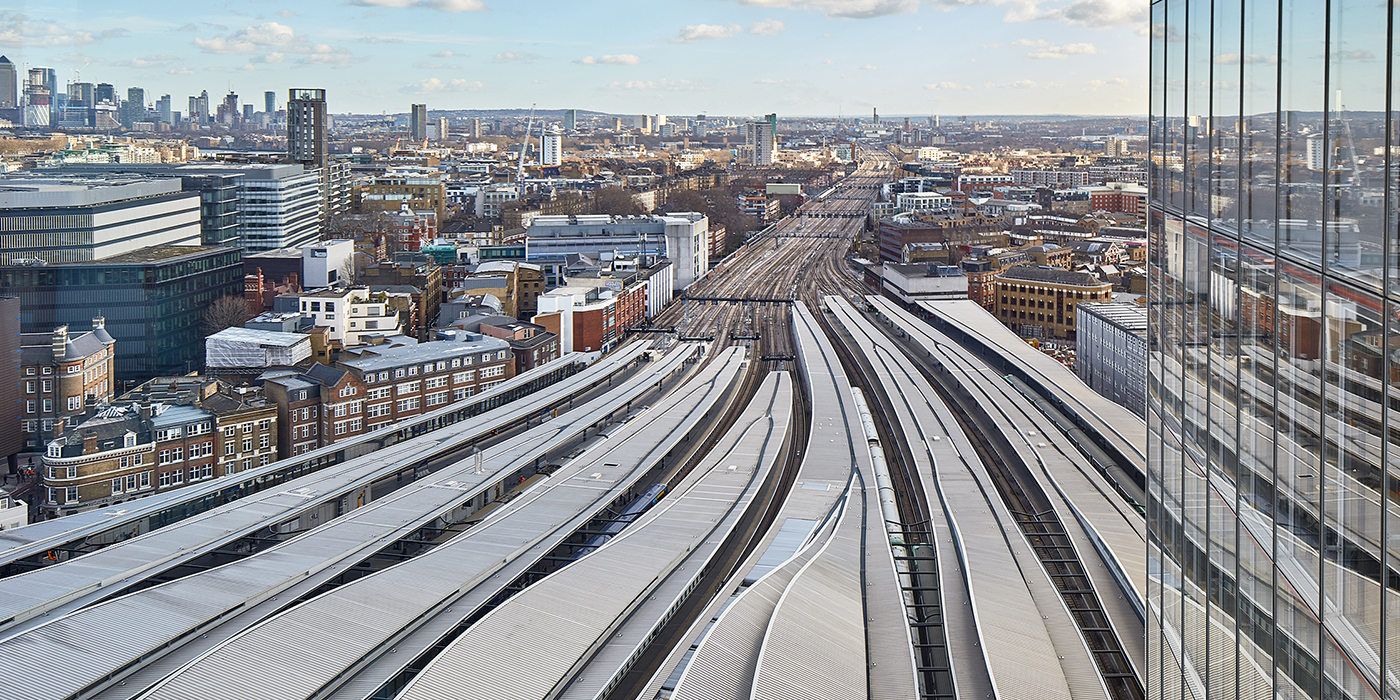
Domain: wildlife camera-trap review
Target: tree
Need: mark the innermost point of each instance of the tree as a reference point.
(688, 200)
(615, 201)
(225, 312)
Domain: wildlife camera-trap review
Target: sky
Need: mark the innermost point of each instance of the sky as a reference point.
(678, 57)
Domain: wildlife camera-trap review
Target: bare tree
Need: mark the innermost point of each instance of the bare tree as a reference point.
(615, 201)
(225, 312)
(347, 270)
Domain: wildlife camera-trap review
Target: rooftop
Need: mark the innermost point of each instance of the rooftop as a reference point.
(379, 357)
(1050, 275)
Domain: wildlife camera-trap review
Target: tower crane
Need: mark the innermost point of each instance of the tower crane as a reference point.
(524, 144)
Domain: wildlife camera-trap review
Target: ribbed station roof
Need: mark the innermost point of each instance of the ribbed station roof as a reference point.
(82, 649)
(353, 621)
(43, 590)
(1099, 522)
(759, 438)
(1123, 427)
(577, 609)
(807, 628)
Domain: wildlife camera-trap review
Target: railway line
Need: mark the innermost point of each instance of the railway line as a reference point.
(835, 468)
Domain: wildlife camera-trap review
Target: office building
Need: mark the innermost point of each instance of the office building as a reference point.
(306, 127)
(83, 218)
(37, 110)
(682, 237)
(9, 84)
(153, 300)
(270, 104)
(551, 147)
(419, 190)
(62, 371)
(163, 108)
(1272, 292)
(1111, 352)
(1039, 301)
(133, 107)
(418, 122)
(570, 120)
(257, 206)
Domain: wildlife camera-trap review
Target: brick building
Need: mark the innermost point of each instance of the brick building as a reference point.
(63, 373)
(1039, 301)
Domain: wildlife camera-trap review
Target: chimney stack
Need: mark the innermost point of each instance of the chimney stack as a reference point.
(60, 342)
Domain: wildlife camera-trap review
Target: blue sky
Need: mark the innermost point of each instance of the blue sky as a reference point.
(682, 57)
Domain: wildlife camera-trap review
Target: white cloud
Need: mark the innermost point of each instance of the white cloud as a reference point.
(945, 86)
(1014, 85)
(18, 31)
(182, 70)
(1111, 82)
(1231, 59)
(1029, 42)
(704, 32)
(114, 33)
(663, 84)
(286, 13)
(869, 66)
(249, 39)
(1084, 13)
(434, 85)
(621, 59)
(853, 9)
(518, 56)
(446, 54)
(1063, 51)
(441, 5)
(147, 61)
(437, 66)
(766, 27)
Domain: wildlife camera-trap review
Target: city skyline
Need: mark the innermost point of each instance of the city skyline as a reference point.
(800, 57)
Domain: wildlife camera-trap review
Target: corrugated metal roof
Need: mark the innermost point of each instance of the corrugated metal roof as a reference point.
(86, 646)
(361, 617)
(26, 595)
(756, 439)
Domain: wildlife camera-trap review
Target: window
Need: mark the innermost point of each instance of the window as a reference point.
(230, 431)
(428, 368)
(72, 495)
(301, 395)
(177, 454)
(330, 306)
(315, 306)
(247, 444)
(340, 428)
(265, 424)
(461, 393)
(28, 406)
(436, 399)
(383, 376)
(264, 460)
(248, 463)
(456, 362)
(383, 393)
(408, 404)
(48, 405)
(461, 377)
(409, 388)
(124, 462)
(117, 485)
(72, 472)
(339, 410)
(145, 477)
(229, 448)
(377, 410)
(501, 355)
(441, 365)
(413, 371)
(264, 441)
(130, 482)
(48, 370)
(398, 373)
(29, 387)
(492, 371)
(435, 383)
(29, 372)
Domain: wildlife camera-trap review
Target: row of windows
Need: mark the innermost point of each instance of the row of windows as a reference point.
(430, 367)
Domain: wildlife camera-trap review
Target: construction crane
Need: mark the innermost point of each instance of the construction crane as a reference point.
(1351, 144)
(524, 144)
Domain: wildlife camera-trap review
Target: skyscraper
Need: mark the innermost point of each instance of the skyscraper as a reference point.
(134, 108)
(306, 126)
(418, 122)
(1274, 316)
(9, 84)
(36, 99)
(570, 119)
(270, 104)
(167, 115)
(474, 127)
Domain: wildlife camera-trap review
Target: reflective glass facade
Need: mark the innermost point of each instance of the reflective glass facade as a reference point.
(1274, 341)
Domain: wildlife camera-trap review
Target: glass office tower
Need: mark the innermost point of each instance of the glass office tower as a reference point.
(1274, 351)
